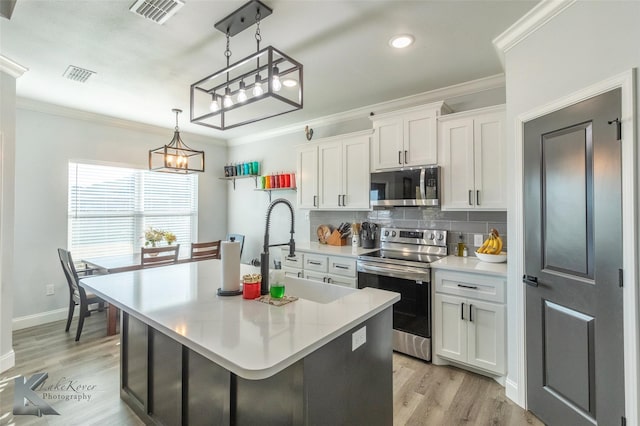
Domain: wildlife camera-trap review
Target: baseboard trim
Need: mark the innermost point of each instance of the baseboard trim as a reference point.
(7, 361)
(511, 391)
(27, 321)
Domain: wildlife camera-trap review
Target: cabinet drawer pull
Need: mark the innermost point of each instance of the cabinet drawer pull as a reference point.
(341, 267)
(462, 311)
(470, 318)
(472, 287)
(399, 157)
(315, 263)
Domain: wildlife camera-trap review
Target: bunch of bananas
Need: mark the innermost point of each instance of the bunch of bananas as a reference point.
(492, 245)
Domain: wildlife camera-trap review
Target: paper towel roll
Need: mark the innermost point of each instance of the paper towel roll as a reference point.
(230, 271)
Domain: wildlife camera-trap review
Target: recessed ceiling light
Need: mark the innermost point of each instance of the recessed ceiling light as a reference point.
(288, 82)
(401, 41)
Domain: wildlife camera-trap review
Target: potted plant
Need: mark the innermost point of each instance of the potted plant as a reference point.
(153, 236)
(169, 237)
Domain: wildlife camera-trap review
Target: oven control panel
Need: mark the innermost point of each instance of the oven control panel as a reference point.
(429, 237)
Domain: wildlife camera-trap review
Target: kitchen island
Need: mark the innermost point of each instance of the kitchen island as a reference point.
(191, 357)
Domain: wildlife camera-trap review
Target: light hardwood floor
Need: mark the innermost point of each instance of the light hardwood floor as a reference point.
(423, 394)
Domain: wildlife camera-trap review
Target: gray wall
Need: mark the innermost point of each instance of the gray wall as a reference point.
(7, 193)
(46, 142)
(585, 44)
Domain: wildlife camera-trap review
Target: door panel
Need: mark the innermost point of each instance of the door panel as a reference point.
(573, 234)
(451, 333)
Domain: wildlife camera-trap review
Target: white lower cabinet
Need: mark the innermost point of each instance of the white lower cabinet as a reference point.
(329, 269)
(469, 320)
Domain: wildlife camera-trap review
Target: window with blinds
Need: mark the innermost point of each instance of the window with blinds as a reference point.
(110, 208)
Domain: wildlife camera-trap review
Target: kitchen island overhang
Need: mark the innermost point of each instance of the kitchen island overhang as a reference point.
(338, 340)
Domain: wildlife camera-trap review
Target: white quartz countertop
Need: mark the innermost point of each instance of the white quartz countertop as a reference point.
(470, 264)
(251, 339)
(347, 251)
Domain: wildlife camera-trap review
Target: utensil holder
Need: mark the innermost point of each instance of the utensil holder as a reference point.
(335, 240)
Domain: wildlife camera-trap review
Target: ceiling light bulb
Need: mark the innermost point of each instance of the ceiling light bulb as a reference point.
(276, 84)
(257, 88)
(401, 41)
(215, 105)
(289, 82)
(227, 102)
(242, 94)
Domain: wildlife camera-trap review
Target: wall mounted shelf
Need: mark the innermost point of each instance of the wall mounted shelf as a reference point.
(270, 190)
(233, 178)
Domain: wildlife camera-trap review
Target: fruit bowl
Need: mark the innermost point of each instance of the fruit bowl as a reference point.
(492, 258)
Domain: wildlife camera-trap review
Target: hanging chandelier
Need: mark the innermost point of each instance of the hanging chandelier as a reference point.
(262, 85)
(176, 157)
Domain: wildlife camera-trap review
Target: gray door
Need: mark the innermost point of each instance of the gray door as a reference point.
(573, 252)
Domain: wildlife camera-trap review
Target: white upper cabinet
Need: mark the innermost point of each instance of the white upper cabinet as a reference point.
(334, 173)
(406, 138)
(473, 160)
(307, 166)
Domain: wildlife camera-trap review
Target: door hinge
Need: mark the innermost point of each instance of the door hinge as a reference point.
(618, 128)
(620, 278)
(623, 421)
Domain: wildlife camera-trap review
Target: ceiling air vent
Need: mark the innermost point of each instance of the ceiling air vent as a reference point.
(78, 74)
(157, 10)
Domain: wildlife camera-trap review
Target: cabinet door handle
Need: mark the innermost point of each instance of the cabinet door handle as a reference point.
(329, 280)
(470, 317)
(470, 197)
(344, 203)
(315, 197)
(341, 267)
(299, 274)
(478, 197)
(405, 157)
(399, 157)
(315, 263)
(472, 287)
(339, 200)
(462, 311)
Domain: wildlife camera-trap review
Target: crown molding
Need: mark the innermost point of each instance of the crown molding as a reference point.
(62, 111)
(531, 22)
(12, 68)
(467, 88)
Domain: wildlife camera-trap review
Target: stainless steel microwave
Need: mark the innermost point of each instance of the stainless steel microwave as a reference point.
(417, 187)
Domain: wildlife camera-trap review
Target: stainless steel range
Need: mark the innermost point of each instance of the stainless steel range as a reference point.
(403, 265)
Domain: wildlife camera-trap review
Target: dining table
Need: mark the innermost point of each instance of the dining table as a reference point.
(114, 264)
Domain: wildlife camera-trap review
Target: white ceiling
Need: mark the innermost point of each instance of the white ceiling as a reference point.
(143, 69)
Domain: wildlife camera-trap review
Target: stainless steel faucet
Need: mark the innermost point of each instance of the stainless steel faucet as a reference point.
(264, 256)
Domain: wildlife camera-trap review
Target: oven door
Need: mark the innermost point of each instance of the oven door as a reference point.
(412, 314)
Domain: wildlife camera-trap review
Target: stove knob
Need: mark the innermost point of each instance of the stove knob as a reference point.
(440, 237)
(432, 237)
(393, 233)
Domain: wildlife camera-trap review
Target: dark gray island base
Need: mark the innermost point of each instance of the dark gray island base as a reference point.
(165, 382)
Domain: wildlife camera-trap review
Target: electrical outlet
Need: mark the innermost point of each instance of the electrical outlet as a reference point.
(50, 289)
(358, 338)
(306, 215)
(478, 239)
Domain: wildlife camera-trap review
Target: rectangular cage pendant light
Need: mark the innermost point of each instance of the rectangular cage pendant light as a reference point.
(265, 84)
(177, 156)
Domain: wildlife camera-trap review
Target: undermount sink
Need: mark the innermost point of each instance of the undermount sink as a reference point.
(315, 291)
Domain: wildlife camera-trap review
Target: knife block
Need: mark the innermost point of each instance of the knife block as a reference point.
(335, 240)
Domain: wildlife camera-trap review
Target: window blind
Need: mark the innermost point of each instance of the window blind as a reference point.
(110, 208)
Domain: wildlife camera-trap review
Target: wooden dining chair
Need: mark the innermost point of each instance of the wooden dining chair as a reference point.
(77, 294)
(159, 256)
(209, 250)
